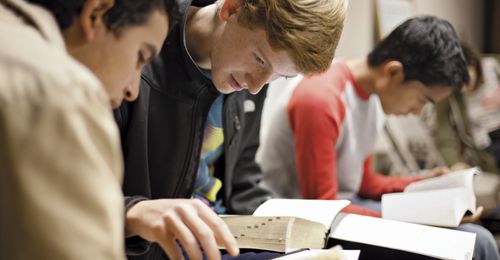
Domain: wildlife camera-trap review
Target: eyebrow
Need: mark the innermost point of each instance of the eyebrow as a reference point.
(152, 51)
(259, 50)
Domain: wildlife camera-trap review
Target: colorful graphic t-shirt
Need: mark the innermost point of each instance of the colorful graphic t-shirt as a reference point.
(207, 185)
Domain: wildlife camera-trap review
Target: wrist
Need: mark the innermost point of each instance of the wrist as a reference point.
(132, 220)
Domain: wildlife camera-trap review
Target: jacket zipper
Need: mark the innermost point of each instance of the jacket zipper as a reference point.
(193, 152)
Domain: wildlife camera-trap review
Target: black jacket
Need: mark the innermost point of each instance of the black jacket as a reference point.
(162, 133)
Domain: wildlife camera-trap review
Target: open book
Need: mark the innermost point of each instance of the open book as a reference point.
(440, 201)
(306, 224)
(284, 225)
(389, 239)
(334, 253)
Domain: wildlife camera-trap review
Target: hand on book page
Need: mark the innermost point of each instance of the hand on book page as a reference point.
(189, 221)
(454, 179)
(460, 166)
(436, 172)
(474, 217)
(440, 201)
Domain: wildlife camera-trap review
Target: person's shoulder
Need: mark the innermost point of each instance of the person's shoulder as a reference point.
(320, 95)
(318, 91)
(32, 69)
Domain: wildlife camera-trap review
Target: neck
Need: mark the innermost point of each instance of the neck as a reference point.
(202, 28)
(363, 74)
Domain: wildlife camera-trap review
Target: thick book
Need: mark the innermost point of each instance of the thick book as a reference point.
(284, 225)
(440, 201)
(389, 239)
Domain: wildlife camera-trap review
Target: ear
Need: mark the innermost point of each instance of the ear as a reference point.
(228, 8)
(91, 16)
(394, 71)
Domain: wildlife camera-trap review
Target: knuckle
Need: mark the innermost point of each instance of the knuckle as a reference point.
(191, 242)
(183, 210)
(206, 234)
(158, 228)
(168, 217)
(219, 222)
(197, 203)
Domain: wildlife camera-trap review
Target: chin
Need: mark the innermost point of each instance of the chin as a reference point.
(217, 85)
(221, 90)
(392, 112)
(224, 88)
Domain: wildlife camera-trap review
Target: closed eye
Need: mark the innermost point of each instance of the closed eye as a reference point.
(287, 77)
(141, 59)
(145, 55)
(258, 59)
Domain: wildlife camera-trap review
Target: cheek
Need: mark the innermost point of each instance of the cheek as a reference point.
(227, 65)
(219, 79)
(125, 68)
(391, 108)
(396, 104)
(110, 90)
(406, 102)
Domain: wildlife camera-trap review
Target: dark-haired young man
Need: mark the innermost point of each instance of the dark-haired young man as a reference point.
(60, 159)
(322, 137)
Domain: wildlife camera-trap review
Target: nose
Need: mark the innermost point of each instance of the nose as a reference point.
(256, 81)
(132, 89)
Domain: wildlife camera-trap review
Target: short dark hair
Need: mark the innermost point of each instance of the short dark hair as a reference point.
(124, 13)
(428, 48)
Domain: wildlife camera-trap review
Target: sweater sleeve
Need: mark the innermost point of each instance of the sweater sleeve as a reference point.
(60, 173)
(316, 135)
(359, 210)
(315, 123)
(374, 185)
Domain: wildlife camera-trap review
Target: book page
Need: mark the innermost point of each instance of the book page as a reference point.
(351, 254)
(321, 211)
(420, 239)
(314, 254)
(434, 207)
(457, 179)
